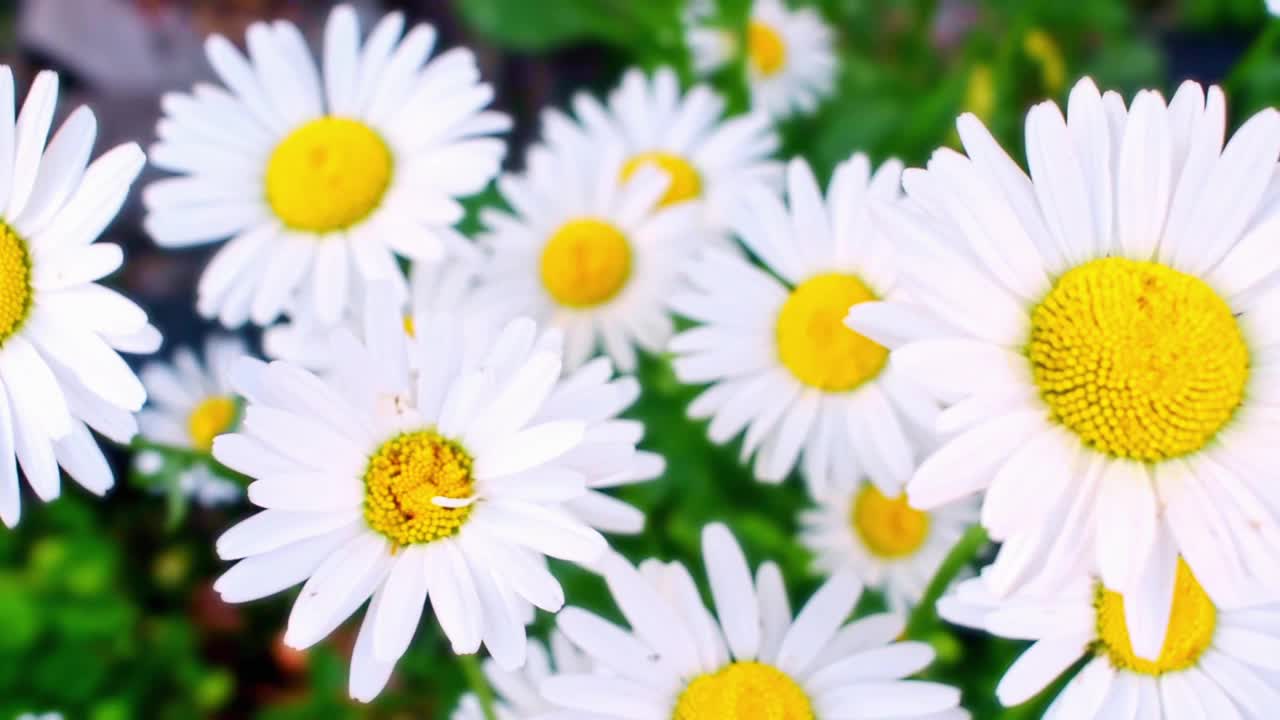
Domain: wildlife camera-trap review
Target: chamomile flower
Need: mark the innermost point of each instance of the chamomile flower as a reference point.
(428, 471)
(1216, 662)
(60, 332)
(890, 545)
(789, 55)
(585, 253)
(677, 661)
(518, 693)
(1106, 328)
(321, 177)
(40, 716)
(782, 364)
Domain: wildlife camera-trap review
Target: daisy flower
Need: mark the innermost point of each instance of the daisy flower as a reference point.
(434, 478)
(40, 716)
(1104, 326)
(789, 55)
(60, 332)
(1216, 662)
(772, 342)
(321, 177)
(586, 254)
(888, 544)
(518, 694)
(677, 661)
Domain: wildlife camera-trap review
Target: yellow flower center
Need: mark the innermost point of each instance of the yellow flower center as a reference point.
(685, 183)
(815, 344)
(765, 47)
(585, 263)
(743, 691)
(1190, 632)
(15, 282)
(1139, 360)
(327, 175)
(212, 417)
(889, 527)
(405, 477)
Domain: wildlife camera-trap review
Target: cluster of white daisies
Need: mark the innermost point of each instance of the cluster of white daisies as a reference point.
(1079, 358)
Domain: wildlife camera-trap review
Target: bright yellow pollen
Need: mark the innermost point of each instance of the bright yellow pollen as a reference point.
(765, 47)
(889, 527)
(1190, 632)
(15, 282)
(743, 691)
(405, 475)
(328, 174)
(212, 417)
(585, 263)
(685, 183)
(815, 344)
(409, 328)
(1139, 360)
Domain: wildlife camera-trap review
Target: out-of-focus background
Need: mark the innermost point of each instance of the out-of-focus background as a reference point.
(106, 607)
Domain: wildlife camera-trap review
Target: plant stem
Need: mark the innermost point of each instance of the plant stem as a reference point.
(479, 685)
(925, 615)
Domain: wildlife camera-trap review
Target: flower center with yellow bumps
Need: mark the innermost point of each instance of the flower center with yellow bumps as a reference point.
(765, 48)
(585, 263)
(16, 292)
(408, 486)
(1139, 360)
(212, 417)
(815, 344)
(684, 181)
(328, 174)
(889, 527)
(1192, 621)
(743, 691)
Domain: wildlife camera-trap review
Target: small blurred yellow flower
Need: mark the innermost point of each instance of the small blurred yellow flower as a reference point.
(1044, 50)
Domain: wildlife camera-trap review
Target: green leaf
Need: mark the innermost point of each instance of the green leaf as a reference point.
(530, 26)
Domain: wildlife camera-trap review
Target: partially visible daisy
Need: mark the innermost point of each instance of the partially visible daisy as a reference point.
(783, 366)
(678, 661)
(1216, 662)
(1273, 7)
(41, 716)
(585, 253)
(789, 55)
(60, 332)
(890, 545)
(321, 177)
(518, 693)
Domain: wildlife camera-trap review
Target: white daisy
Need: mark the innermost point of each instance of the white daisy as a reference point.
(518, 694)
(436, 477)
(1105, 328)
(60, 332)
(783, 365)
(789, 55)
(585, 253)
(1273, 7)
(1215, 662)
(40, 716)
(321, 179)
(890, 545)
(677, 661)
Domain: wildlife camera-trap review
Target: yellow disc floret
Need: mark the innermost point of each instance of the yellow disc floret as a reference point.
(765, 48)
(403, 481)
(1139, 360)
(743, 691)
(815, 344)
(328, 174)
(889, 527)
(15, 282)
(585, 263)
(685, 183)
(1191, 624)
(212, 417)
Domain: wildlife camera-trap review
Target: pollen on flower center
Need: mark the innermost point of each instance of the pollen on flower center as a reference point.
(743, 691)
(765, 48)
(1191, 625)
(15, 282)
(889, 527)
(405, 481)
(328, 174)
(585, 263)
(1139, 360)
(212, 417)
(815, 344)
(685, 183)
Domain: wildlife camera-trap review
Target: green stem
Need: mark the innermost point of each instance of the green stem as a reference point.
(925, 615)
(479, 685)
